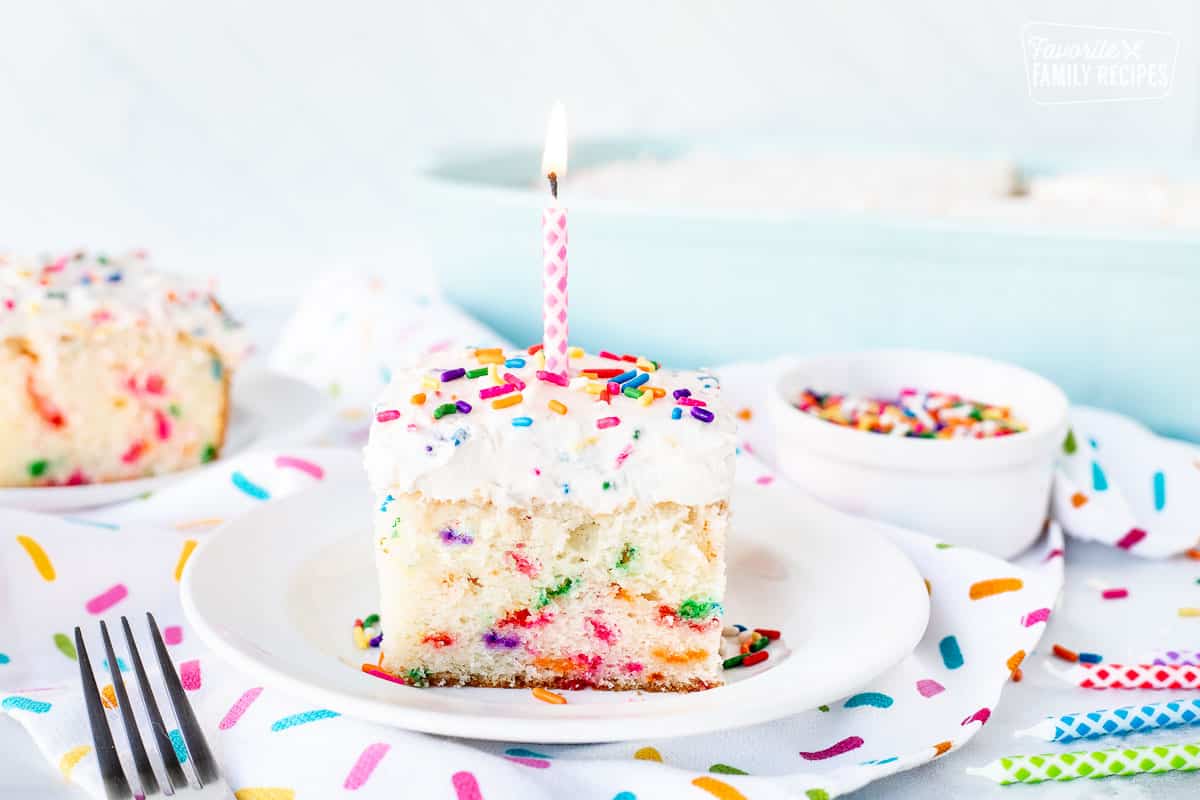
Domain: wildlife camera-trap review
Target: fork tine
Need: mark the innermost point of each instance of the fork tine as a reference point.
(193, 736)
(116, 787)
(162, 741)
(141, 760)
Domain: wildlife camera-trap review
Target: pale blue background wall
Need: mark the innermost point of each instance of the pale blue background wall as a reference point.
(273, 136)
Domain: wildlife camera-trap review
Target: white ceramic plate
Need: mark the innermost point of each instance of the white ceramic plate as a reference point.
(266, 408)
(276, 591)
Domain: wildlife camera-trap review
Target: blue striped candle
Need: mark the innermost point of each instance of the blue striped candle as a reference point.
(1127, 719)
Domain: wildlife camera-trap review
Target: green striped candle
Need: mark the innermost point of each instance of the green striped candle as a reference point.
(1092, 764)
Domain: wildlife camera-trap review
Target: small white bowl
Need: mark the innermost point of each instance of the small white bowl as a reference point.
(990, 494)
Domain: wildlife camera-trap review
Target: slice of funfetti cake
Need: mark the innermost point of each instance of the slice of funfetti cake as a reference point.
(556, 531)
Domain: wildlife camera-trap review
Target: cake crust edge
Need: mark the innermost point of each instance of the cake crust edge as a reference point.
(223, 419)
(563, 683)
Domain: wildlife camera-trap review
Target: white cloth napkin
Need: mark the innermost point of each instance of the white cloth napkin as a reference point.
(273, 747)
(351, 330)
(1120, 484)
(932, 702)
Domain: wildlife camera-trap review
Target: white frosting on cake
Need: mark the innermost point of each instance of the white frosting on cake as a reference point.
(81, 293)
(647, 457)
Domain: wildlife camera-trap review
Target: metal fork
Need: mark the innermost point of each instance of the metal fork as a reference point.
(208, 782)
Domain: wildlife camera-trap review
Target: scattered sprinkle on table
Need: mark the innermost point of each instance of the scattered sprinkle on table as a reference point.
(1065, 654)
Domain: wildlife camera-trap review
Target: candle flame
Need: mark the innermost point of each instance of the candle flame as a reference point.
(554, 156)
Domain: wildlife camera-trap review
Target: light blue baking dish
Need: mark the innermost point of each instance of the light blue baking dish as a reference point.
(1110, 317)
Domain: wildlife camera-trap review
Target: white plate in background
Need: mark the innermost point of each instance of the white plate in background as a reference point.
(275, 593)
(266, 409)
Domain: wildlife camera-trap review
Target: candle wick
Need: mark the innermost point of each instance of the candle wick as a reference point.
(553, 178)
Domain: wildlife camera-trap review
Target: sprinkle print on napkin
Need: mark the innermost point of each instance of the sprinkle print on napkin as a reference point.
(1120, 484)
(928, 705)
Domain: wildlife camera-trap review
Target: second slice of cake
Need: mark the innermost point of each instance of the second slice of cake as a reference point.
(110, 370)
(530, 533)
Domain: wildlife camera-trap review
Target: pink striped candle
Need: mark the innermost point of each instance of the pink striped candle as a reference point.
(554, 248)
(1130, 676)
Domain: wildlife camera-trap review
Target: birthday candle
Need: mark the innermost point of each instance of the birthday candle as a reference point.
(1127, 719)
(1183, 657)
(1092, 764)
(1131, 676)
(554, 248)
